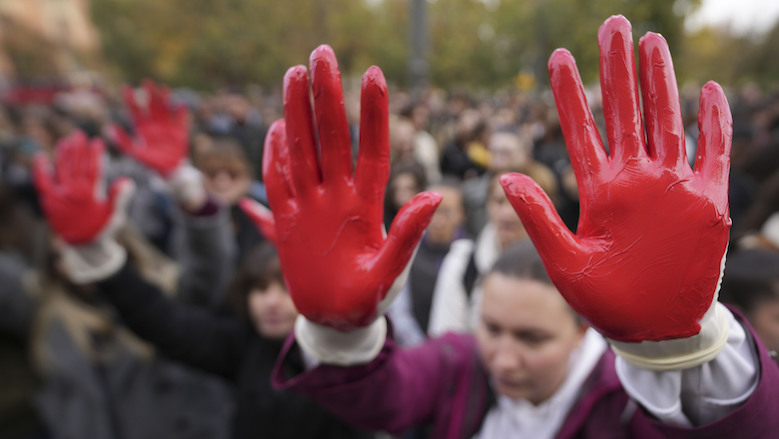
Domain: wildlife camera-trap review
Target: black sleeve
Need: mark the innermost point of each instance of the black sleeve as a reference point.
(188, 334)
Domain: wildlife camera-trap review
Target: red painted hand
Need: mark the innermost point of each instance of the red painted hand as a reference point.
(161, 131)
(646, 259)
(73, 194)
(337, 263)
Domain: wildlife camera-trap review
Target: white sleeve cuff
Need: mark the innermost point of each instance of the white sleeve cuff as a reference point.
(683, 353)
(697, 395)
(331, 346)
(94, 261)
(186, 186)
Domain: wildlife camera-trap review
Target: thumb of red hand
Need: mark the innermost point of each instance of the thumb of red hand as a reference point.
(554, 242)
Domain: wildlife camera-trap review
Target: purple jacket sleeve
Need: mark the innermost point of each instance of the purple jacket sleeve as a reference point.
(755, 419)
(398, 389)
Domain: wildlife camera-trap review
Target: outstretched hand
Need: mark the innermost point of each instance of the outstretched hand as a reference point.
(647, 256)
(337, 262)
(72, 191)
(160, 130)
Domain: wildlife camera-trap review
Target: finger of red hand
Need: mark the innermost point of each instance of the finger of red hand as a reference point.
(181, 122)
(715, 124)
(300, 130)
(372, 171)
(585, 148)
(332, 124)
(93, 155)
(555, 243)
(620, 90)
(404, 234)
(82, 159)
(158, 100)
(276, 168)
(662, 110)
(68, 159)
(261, 216)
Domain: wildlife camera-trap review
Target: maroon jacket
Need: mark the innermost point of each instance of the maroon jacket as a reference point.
(444, 383)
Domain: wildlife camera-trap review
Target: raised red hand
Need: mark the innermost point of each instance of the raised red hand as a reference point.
(337, 263)
(73, 194)
(646, 259)
(161, 131)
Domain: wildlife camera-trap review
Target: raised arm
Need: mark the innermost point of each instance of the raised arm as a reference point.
(86, 218)
(341, 269)
(202, 237)
(645, 263)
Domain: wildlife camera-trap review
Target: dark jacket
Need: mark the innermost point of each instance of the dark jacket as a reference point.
(228, 348)
(442, 382)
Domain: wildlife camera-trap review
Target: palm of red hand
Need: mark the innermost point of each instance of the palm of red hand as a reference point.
(161, 131)
(677, 219)
(164, 144)
(75, 206)
(326, 235)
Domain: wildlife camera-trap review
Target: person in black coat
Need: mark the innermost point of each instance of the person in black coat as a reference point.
(242, 351)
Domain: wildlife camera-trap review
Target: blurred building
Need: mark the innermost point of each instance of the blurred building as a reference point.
(45, 38)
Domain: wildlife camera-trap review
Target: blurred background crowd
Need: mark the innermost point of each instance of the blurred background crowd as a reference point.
(469, 101)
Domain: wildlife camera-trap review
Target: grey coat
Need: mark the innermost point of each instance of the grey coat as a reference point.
(120, 394)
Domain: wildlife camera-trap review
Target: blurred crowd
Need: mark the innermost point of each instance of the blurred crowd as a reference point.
(70, 367)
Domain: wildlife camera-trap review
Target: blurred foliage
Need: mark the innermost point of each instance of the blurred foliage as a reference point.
(473, 43)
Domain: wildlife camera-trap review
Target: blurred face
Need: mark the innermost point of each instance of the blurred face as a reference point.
(503, 216)
(448, 217)
(403, 139)
(421, 117)
(404, 187)
(765, 320)
(272, 311)
(227, 180)
(507, 153)
(525, 337)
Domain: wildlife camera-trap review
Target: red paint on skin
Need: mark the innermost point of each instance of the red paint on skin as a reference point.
(646, 258)
(336, 262)
(67, 190)
(162, 132)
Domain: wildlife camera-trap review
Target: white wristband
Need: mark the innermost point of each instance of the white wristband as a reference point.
(331, 346)
(682, 353)
(186, 185)
(92, 262)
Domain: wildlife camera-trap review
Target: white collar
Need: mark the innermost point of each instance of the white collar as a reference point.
(521, 418)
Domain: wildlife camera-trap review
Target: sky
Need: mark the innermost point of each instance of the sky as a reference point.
(744, 16)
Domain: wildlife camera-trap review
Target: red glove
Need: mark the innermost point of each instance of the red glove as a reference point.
(73, 195)
(648, 254)
(161, 130)
(337, 263)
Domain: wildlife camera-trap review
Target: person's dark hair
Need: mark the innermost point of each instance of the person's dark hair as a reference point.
(521, 261)
(258, 269)
(417, 171)
(751, 278)
(448, 181)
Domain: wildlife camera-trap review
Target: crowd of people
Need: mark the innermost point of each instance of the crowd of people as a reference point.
(179, 330)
